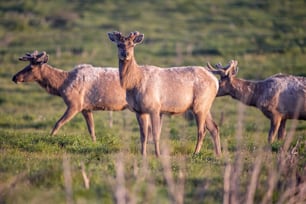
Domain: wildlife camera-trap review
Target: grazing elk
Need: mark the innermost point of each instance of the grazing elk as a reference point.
(279, 97)
(156, 91)
(84, 89)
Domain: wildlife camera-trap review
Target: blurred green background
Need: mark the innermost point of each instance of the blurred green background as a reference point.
(266, 37)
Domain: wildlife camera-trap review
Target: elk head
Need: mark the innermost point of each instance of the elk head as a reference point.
(32, 71)
(227, 74)
(126, 44)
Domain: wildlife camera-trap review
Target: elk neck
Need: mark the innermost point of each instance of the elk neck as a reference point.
(52, 79)
(244, 91)
(130, 73)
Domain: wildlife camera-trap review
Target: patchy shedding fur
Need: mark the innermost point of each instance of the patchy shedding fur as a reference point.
(279, 97)
(155, 91)
(84, 89)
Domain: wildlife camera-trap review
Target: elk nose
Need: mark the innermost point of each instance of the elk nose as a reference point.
(14, 79)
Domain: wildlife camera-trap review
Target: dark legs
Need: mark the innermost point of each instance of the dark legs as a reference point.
(275, 124)
(282, 130)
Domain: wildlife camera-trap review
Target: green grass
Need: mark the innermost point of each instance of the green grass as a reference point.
(266, 37)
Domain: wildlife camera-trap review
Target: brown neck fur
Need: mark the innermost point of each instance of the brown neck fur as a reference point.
(130, 73)
(52, 79)
(244, 91)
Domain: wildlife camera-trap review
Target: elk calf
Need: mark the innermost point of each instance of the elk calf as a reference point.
(155, 91)
(279, 97)
(84, 89)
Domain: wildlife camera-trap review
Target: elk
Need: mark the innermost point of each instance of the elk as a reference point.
(83, 89)
(155, 91)
(279, 97)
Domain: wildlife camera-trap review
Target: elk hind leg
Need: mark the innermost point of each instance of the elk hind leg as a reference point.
(88, 115)
(214, 131)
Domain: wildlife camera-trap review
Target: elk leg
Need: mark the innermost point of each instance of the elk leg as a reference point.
(214, 131)
(160, 122)
(88, 115)
(156, 129)
(150, 134)
(143, 121)
(282, 130)
(200, 119)
(68, 115)
(275, 123)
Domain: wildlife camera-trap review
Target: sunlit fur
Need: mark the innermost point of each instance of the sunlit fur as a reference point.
(154, 91)
(83, 89)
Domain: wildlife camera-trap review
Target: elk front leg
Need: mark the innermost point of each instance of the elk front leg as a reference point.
(143, 121)
(156, 129)
(68, 115)
(88, 115)
(200, 119)
(282, 130)
(275, 123)
(214, 131)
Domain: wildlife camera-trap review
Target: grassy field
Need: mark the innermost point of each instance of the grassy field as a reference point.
(266, 37)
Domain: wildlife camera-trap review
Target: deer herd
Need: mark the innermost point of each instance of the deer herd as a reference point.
(150, 92)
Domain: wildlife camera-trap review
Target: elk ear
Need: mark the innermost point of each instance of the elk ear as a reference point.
(42, 58)
(114, 36)
(236, 68)
(234, 71)
(138, 39)
(45, 59)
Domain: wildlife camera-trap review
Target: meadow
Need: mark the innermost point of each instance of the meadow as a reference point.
(266, 37)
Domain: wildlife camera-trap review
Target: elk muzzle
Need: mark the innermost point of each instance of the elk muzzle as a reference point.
(16, 79)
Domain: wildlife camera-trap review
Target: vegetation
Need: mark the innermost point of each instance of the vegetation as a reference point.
(266, 37)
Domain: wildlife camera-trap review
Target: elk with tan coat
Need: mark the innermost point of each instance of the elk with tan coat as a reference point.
(279, 97)
(83, 89)
(155, 91)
